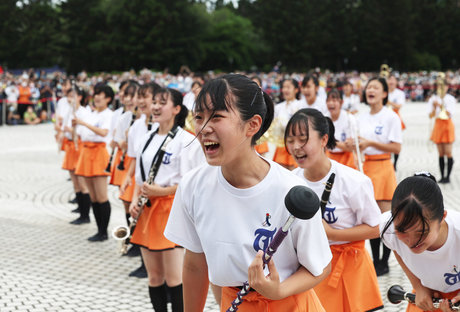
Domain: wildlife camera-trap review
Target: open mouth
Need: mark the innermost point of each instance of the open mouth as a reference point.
(300, 157)
(211, 146)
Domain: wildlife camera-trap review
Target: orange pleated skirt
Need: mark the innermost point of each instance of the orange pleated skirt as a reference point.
(413, 308)
(64, 143)
(282, 157)
(345, 158)
(152, 223)
(352, 284)
(93, 160)
(262, 148)
(443, 131)
(255, 302)
(71, 155)
(380, 170)
(117, 176)
(403, 125)
(127, 196)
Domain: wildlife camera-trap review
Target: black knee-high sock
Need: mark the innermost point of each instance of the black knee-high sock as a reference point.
(441, 166)
(127, 219)
(177, 300)
(450, 164)
(105, 216)
(158, 298)
(386, 254)
(85, 205)
(78, 198)
(375, 247)
(395, 160)
(97, 215)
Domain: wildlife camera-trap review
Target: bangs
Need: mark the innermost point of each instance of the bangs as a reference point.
(297, 125)
(412, 215)
(334, 94)
(218, 92)
(162, 95)
(144, 90)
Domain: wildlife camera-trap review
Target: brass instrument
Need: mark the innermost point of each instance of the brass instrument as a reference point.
(385, 71)
(441, 92)
(274, 134)
(190, 122)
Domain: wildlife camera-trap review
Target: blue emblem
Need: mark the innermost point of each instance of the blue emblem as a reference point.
(167, 158)
(263, 239)
(452, 279)
(378, 130)
(329, 215)
(343, 137)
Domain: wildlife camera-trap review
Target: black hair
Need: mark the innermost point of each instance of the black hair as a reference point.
(323, 125)
(412, 197)
(237, 91)
(295, 83)
(334, 93)
(151, 87)
(83, 94)
(123, 83)
(196, 83)
(131, 88)
(176, 98)
(106, 89)
(307, 78)
(258, 79)
(383, 81)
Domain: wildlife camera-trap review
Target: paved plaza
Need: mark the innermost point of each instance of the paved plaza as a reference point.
(46, 264)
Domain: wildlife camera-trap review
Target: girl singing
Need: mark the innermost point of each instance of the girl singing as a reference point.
(239, 208)
(350, 217)
(426, 241)
(163, 259)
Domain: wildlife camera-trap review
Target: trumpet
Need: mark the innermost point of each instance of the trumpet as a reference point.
(441, 92)
(396, 294)
(384, 71)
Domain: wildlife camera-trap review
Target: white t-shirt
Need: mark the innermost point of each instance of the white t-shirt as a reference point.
(342, 129)
(285, 110)
(189, 100)
(449, 104)
(12, 93)
(101, 120)
(383, 127)
(136, 134)
(63, 110)
(351, 103)
(81, 113)
(351, 201)
(182, 154)
(439, 269)
(320, 104)
(115, 118)
(230, 225)
(397, 96)
(122, 125)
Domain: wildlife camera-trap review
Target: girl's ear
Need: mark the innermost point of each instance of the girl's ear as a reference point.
(253, 125)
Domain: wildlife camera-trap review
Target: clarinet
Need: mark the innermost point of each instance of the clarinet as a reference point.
(327, 192)
(121, 165)
(109, 166)
(396, 294)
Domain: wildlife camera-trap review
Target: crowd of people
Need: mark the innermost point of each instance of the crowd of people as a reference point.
(204, 205)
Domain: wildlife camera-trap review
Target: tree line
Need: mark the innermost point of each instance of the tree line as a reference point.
(108, 35)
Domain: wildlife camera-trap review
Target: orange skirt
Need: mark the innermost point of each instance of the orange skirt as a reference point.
(443, 131)
(352, 284)
(71, 155)
(262, 148)
(380, 170)
(117, 176)
(282, 157)
(345, 158)
(403, 125)
(64, 143)
(93, 160)
(413, 308)
(152, 223)
(127, 196)
(255, 302)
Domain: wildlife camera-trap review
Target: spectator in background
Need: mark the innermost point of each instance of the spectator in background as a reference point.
(30, 117)
(24, 97)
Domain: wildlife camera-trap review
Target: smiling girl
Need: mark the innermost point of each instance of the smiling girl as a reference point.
(225, 213)
(426, 241)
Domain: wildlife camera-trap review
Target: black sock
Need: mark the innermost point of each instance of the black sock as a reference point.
(386, 255)
(441, 166)
(127, 219)
(450, 164)
(105, 216)
(97, 215)
(78, 198)
(177, 300)
(85, 205)
(375, 247)
(395, 160)
(158, 298)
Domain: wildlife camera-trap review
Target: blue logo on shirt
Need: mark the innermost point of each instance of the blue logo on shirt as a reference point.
(378, 130)
(167, 158)
(452, 279)
(343, 137)
(329, 215)
(263, 239)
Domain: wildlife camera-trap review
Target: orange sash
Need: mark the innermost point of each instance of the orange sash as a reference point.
(380, 170)
(282, 157)
(345, 158)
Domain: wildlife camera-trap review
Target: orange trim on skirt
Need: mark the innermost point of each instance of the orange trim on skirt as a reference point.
(443, 131)
(262, 148)
(116, 177)
(282, 157)
(345, 158)
(71, 155)
(127, 196)
(255, 302)
(380, 170)
(93, 160)
(403, 125)
(352, 284)
(413, 308)
(152, 223)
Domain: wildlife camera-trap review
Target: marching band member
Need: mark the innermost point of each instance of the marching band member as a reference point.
(341, 119)
(310, 99)
(442, 106)
(283, 112)
(351, 214)
(381, 135)
(163, 258)
(350, 101)
(396, 99)
(239, 207)
(94, 157)
(425, 239)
